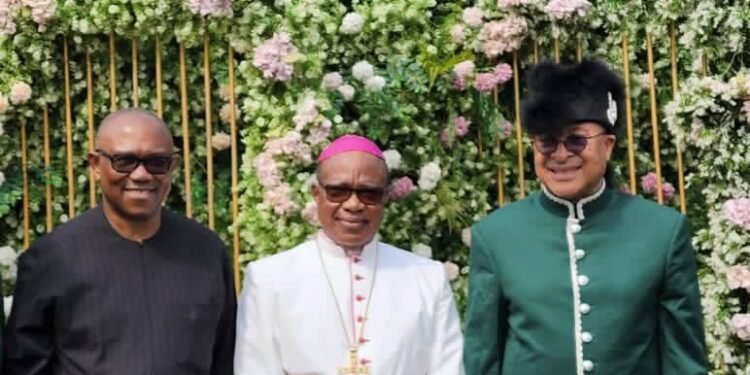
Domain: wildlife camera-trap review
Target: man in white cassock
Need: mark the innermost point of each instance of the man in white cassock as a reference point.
(343, 303)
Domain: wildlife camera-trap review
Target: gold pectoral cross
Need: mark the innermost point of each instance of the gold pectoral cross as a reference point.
(354, 367)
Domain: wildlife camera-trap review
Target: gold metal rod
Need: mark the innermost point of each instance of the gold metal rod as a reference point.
(675, 91)
(134, 58)
(579, 51)
(519, 135)
(500, 178)
(159, 99)
(25, 172)
(629, 113)
(112, 74)
(48, 183)
(654, 118)
(90, 118)
(185, 132)
(235, 171)
(557, 50)
(69, 132)
(209, 130)
(536, 52)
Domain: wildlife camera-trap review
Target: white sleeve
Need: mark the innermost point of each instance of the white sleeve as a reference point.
(447, 351)
(256, 351)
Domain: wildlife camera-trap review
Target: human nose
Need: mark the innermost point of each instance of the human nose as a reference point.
(353, 203)
(140, 173)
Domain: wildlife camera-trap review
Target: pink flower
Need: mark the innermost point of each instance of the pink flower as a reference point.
(458, 34)
(279, 198)
(746, 110)
(485, 82)
(462, 126)
(473, 17)
(451, 271)
(41, 11)
(318, 135)
(499, 37)
(7, 24)
(270, 57)
(648, 183)
(306, 113)
(310, 213)
(459, 84)
(464, 69)
(210, 7)
(563, 9)
(667, 191)
(266, 170)
(505, 4)
(400, 188)
(737, 211)
(624, 188)
(738, 277)
(20, 93)
(741, 326)
(505, 128)
(503, 73)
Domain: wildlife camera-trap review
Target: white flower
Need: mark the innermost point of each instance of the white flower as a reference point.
(306, 113)
(332, 81)
(352, 23)
(347, 91)
(392, 159)
(225, 113)
(466, 236)
(310, 213)
(20, 93)
(221, 141)
(375, 84)
(458, 34)
(429, 175)
(464, 69)
(7, 256)
(451, 270)
(4, 104)
(423, 250)
(473, 17)
(363, 70)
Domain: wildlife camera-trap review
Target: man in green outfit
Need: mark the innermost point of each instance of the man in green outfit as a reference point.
(580, 278)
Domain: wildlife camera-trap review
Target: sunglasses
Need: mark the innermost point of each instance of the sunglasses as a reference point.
(368, 196)
(574, 143)
(127, 163)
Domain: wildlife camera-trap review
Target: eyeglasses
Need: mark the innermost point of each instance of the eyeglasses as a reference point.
(127, 163)
(574, 143)
(368, 196)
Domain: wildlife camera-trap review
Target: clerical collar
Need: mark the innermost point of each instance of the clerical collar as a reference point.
(592, 202)
(328, 247)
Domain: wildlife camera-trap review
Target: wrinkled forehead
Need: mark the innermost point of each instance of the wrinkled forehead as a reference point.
(353, 167)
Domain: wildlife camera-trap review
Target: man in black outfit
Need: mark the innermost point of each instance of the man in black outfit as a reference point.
(126, 288)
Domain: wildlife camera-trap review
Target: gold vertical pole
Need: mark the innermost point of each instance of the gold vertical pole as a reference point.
(519, 136)
(536, 52)
(112, 74)
(48, 183)
(500, 177)
(209, 129)
(69, 132)
(675, 90)
(654, 118)
(159, 100)
(629, 113)
(25, 177)
(90, 118)
(185, 132)
(134, 57)
(579, 51)
(235, 171)
(557, 50)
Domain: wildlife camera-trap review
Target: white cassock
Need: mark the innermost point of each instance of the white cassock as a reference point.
(288, 323)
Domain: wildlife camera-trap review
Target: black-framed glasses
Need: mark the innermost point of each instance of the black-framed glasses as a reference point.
(127, 163)
(340, 194)
(575, 143)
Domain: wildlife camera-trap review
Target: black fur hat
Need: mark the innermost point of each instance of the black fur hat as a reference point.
(564, 95)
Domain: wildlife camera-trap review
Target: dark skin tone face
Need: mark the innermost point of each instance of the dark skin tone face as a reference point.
(132, 201)
(351, 224)
(573, 176)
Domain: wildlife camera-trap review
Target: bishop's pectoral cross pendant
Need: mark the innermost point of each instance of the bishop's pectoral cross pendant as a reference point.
(354, 368)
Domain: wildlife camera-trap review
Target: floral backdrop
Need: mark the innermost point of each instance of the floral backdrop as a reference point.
(431, 81)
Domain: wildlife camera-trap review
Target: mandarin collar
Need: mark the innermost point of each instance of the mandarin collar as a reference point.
(330, 248)
(592, 203)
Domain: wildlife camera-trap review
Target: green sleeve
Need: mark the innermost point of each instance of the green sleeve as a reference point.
(486, 313)
(681, 337)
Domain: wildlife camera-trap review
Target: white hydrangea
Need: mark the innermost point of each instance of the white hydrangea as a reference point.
(347, 91)
(352, 23)
(429, 175)
(392, 159)
(363, 71)
(332, 81)
(473, 17)
(375, 84)
(458, 34)
(4, 104)
(20, 93)
(423, 250)
(8, 258)
(221, 141)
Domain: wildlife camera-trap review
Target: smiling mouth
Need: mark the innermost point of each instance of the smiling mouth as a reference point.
(564, 173)
(352, 222)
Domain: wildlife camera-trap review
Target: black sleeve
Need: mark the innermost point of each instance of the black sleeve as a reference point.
(28, 348)
(223, 358)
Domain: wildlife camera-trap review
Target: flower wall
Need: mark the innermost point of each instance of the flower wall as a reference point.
(431, 81)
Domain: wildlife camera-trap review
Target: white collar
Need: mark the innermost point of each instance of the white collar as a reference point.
(330, 248)
(575, 210)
